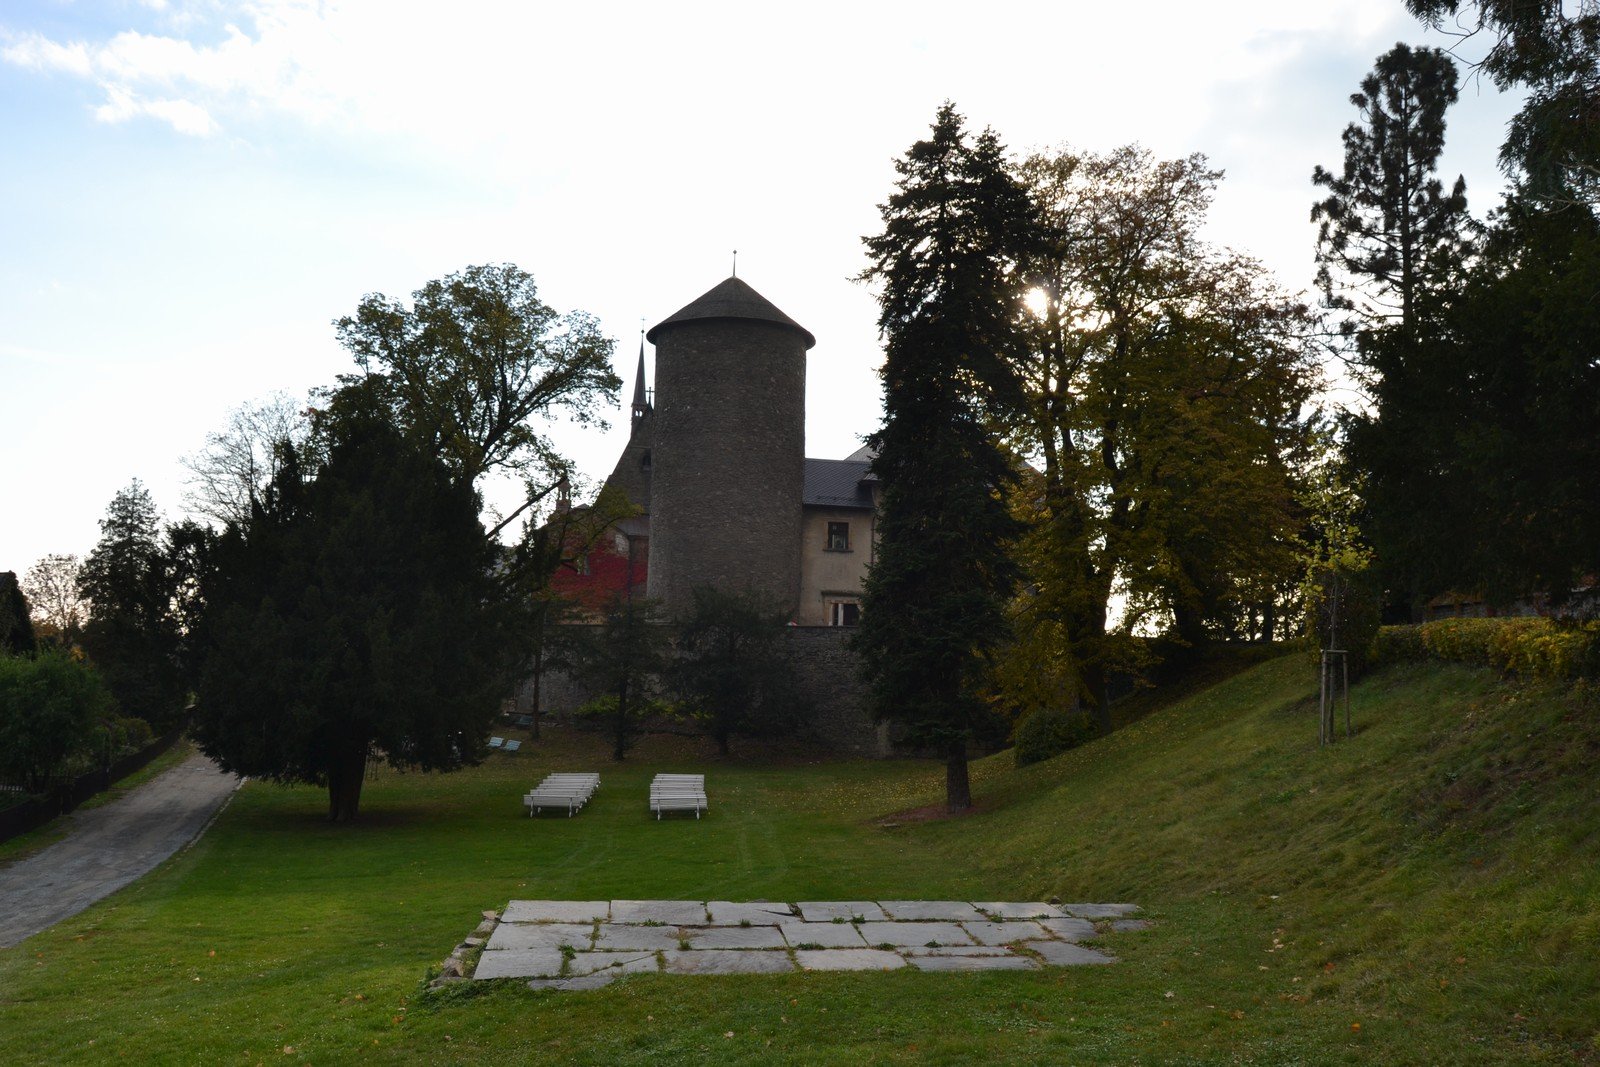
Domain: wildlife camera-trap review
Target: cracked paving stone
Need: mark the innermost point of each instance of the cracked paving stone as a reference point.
(1001, 909)
(1071, 929)
(730, 913)
(540, 935)
(556, 911)
(615, 936)
(948, 910)
(988, 933)
(1063, 954)
(828, 910)
(751, 937)
(848, 959)
(973, 963)
(1099, 911)
(519, 963)
(731, 961)
(621, 962)
(823, 935)
(669, 912)
(913, 934)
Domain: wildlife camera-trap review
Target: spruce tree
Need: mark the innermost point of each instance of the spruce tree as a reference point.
(934, 605)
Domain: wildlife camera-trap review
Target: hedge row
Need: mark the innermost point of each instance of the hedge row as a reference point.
(1530, 647)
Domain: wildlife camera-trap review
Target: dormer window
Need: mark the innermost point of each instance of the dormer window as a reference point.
(838, 537)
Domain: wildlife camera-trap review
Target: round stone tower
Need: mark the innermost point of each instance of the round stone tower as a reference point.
(728, 455)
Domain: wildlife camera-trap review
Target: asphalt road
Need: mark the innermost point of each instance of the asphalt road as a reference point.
(110, 846)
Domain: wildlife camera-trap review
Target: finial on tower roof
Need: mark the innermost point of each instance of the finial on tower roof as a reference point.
(735, 263)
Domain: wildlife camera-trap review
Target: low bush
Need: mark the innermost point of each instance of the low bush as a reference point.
(1530, 647)
(1051, 732)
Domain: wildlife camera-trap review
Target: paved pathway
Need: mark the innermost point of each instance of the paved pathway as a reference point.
(583, 944)
(110, 846)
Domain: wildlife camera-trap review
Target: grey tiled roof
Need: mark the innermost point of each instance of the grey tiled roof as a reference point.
(836, 483)
(731, 299)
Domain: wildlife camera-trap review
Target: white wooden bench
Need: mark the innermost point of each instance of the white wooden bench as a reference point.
(678, 792)
(570, 791)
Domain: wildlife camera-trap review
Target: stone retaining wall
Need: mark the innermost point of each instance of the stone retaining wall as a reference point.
(828, 675)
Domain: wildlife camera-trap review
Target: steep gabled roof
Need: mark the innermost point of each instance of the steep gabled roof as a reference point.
(731, 299)
(836, 483)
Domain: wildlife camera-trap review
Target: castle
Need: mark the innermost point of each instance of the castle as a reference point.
(716, 463)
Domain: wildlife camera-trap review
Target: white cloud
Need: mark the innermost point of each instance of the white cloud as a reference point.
(185, 116)
(34, 51)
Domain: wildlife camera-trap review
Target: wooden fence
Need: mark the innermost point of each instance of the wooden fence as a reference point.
(66, 794)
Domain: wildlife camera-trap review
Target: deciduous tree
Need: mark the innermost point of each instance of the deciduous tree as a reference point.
(51, 586)
(729, 669)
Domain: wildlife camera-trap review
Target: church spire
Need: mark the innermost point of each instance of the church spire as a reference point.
(641, 395)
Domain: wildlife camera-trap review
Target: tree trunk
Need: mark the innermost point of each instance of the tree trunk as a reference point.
(538, 677)
(621, 740)
(1269, 620)
(957, 788)
(1094, 680)
(346, 775)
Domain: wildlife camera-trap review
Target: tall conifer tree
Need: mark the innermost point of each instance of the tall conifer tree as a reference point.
(935, 597)
(1389, 234)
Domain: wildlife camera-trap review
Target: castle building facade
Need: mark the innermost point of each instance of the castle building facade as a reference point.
(715, 463)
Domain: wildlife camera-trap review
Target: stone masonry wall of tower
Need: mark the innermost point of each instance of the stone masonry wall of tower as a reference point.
(728, 460)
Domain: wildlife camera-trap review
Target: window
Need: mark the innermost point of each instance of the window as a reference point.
(844, 613)
(838, 537)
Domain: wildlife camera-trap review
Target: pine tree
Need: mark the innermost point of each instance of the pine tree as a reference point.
(934, 605)
(1389, 233)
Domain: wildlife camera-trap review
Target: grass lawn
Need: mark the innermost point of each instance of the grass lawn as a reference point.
(1424, 893)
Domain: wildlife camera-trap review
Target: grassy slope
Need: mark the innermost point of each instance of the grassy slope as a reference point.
(1434, 880)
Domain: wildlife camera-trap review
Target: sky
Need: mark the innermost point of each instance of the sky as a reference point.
(191, 191)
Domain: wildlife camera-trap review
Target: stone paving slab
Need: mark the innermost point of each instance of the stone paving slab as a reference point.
(625, 936)
(604, 939)
(1071, 929)
(1001, 909)
(519, 963)
(620, 962)
(849, 959)
(597, 980)
(988, 933)
(540, 935)
(669, 912)
(1099, 911)
(918, 933)
(728, 913)
(948, 910)
(720, 937)
(973, 963)
(1065, 954)
(828, 910)
(713, 961)
(824, 935)
(556, 911)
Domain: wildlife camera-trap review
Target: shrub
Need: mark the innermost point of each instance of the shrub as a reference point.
(1051, 732)
(49, 706)
(1530, 647)
(1359, 607)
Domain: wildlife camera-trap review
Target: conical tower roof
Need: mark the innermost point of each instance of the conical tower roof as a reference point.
(730, 299)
